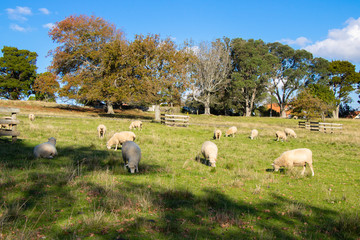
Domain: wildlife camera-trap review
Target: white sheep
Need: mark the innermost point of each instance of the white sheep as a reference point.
(120, 138)
(280, 135)
(293, 158)
(101, 129)
(136, 124)
(131, 154)
(31, 117)
(254, 133)
(231, 131)
(46, 150)
(210, 151)
(290, 132)
(217, 134)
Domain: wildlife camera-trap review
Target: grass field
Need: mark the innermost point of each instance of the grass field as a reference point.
(85, 193)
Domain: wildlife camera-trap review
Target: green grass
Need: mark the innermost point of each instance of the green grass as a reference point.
(85, 192)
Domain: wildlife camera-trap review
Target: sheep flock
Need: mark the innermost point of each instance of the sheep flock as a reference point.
(131, 152)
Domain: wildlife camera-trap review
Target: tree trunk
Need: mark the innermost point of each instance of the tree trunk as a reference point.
(157, 113)
(282, 111)
(110, 109)
(207, 104)
(336, 112)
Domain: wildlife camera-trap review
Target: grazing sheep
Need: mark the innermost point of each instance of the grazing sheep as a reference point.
(120, 138)
(290, 132)
(131, 154)
(293, 158)
(231, 131)
(31, 117)
(217, 134)
(254, 133)
(46, 150)
(101, 130)
(210, 151)
(280, 135)
(136, 124)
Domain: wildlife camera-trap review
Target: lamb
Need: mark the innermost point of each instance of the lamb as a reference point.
(101, 130)
(210, 151)
(280, 135)
(217, 134)
(292, 158)
(136, 124)
(46, 150)
(31, 117)
(231, 131)
(290, 132)
(120, 138)
(131, 154)
(254, 133)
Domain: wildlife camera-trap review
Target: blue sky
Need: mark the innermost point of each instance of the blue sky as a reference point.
(327, 28)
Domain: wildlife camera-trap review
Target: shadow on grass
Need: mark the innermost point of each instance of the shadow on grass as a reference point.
(52, 192)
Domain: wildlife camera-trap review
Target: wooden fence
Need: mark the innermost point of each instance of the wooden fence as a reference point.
(9, 124)
(175, 120)
(321, 127)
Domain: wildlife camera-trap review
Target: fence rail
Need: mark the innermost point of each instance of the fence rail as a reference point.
(9, 124)
(175, 120)
(321, 127)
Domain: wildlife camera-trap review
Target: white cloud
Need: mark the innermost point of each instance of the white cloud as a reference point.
(340, 44)
(300, 41)
(18, 28)
(48, 25)
(44, 11)
(19, 13)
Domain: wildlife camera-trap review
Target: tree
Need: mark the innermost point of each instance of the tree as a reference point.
(159, 70)
(289, 74)
(343, 80)
(17, 72)
(211, 70)
(314, 101)
(46, 86)
(79, 58)
(252, 66)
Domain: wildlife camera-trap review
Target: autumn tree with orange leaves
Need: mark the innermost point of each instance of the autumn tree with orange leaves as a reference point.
(79, 60)
(46, 86)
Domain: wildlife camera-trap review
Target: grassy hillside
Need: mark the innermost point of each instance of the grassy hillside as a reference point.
(85, 193)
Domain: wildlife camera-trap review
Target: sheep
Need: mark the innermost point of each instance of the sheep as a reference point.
(292, 158)
(290, 132)
(101, 129)
(120, 138)
(254, 133)
(31, 117)
(231, 131)
(217, 134)
(131, 154)
(136, 124)
(210, 151)
(46, 150)
(280, 135)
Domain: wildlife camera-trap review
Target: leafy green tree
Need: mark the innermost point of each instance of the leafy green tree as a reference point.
(343, 80)
(289, 74)
(17, 72)
(252, 66)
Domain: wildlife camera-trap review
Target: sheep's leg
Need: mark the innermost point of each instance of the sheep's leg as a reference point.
(116, 147)
(303, 171)
(311, 167)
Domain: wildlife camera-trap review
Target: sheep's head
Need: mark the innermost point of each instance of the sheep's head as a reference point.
(276, 167)
(108, 145)
(131, 167)
(52, 141)
(213, 163)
